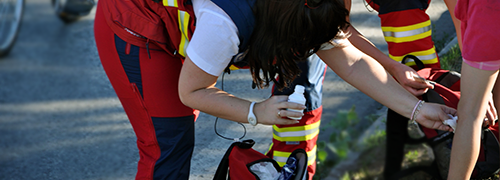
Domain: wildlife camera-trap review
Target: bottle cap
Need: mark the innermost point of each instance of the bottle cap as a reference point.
(299, 88)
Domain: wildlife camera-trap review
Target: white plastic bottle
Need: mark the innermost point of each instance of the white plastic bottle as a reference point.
(297, 97)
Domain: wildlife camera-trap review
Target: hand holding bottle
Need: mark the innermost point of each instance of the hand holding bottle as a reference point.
(297, 97)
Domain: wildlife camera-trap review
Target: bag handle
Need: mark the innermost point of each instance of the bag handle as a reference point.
(418, 62)
(221, 173)
(302, 160)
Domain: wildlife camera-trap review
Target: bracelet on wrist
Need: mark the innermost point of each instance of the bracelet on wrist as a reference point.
(416, 110)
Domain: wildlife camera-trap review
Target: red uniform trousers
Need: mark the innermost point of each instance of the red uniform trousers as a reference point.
(146, 82)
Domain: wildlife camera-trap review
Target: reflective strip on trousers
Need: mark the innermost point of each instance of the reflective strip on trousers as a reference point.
(407, 33)
(280, 157)
(298, 133)
(427, 57)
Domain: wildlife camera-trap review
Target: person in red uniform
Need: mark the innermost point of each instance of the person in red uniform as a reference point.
(163, 59)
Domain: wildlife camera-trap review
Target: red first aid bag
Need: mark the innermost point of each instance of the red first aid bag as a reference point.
(237, 160)
(241, 162)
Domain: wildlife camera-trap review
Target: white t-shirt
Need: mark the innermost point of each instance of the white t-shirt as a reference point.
(215, 40)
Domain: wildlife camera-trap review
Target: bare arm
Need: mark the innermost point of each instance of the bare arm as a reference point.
(451, 8)
(471, 108)
(491, 112)
(367, 75)
(402, 73)
(197, 90)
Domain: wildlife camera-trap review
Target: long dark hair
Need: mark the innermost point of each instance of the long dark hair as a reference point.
(288, 31)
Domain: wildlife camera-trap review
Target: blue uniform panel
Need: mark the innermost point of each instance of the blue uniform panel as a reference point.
(130, 62)
(175, 137)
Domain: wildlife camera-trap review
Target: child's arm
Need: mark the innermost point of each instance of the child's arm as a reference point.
(476, 86)
(402, 73)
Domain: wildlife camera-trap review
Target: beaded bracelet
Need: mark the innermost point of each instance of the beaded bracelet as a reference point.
(416, 110)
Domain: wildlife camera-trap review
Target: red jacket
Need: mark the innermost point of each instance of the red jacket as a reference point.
(149, 24)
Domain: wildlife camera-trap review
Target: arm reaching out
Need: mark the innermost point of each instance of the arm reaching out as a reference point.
(367, 75)
(402, 73)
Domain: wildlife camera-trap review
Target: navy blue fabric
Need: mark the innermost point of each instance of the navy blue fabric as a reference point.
(130, 62)
(311, 77)
(387, 6)
(241, 13)
(175, 137)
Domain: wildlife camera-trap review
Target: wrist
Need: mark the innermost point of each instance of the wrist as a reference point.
(387, 63)
(416, 111)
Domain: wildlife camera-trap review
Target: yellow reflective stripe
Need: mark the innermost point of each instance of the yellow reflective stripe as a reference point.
(406, 28)
(299, 133)
(280, 160)
(407, 33)
(297, 128)
(270, 147)
(172, 3)
(311, 156)
(422, 58)
(183, 19)
(232, 67)
(409, 38)
(183, 26)
(297, 138)
(296, 135)
(280, 157)
(427, 57)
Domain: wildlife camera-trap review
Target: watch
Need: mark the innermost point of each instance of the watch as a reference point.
(252, 119)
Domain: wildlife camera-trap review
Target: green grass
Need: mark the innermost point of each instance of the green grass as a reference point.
(452, 60)
(439, 44)
(412, 156)
(343, 136)
(376, 139)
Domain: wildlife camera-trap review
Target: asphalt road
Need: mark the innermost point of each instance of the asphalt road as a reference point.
(60, 118)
